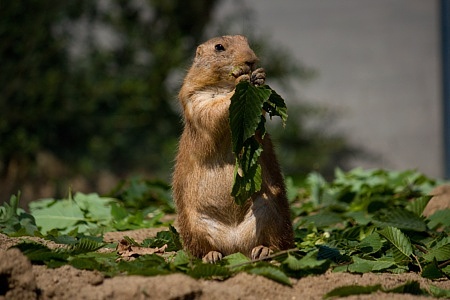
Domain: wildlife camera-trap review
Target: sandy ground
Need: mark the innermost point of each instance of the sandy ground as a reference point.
(21, 280)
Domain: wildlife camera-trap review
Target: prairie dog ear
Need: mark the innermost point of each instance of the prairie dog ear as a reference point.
(199, 51)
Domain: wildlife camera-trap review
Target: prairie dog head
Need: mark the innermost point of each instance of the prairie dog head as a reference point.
(222, 59)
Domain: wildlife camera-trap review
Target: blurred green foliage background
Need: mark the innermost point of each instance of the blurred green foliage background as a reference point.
(88, 92)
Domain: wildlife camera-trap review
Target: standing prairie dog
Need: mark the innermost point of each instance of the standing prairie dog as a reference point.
(210, 223)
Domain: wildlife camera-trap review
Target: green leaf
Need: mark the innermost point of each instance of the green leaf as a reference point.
(271, 273)
(245, 112)
(38, 253)
(181, 259)
(85, 245)
(440, 253)
(275, 105)
(326, 252)
(8, 212)
(293, 263)
(364, 265)
(439, 218)
(96, 208)
(310, 261)
(85, 263)
(317, 185)
(236, 259)
(360, 266)
(402, 246)
(16, 222)
(169, 237)
(118, 212)
(147, 265)
(371, 244)
(418, 205)
(104, 262)
(349, 290)
(324, 219)
(432, 271)
(209, 271)
(247, 120)
(51, 214)
(439, 292)
(247, 173)
(412, 287)
(399, 218)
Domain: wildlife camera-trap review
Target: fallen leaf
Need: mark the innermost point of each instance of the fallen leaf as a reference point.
(130, 252)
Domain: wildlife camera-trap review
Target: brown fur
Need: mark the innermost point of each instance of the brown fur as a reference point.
(208, 218)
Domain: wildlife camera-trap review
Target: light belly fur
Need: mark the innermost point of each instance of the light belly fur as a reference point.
(231, 238)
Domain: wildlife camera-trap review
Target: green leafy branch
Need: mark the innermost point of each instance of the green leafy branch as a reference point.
(247, 120)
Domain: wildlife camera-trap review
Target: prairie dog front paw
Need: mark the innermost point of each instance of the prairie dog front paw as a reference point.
(212, 257)
(261, 252)
(258, 77)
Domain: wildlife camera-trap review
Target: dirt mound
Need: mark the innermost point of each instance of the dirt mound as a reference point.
(17, 280)
(21, 280)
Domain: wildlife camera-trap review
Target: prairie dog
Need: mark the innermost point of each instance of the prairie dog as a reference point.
(210, 223)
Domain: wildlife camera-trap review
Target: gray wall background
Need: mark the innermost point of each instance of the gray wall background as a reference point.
(379, 69)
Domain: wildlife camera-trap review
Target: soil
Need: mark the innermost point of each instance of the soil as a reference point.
(19, 279)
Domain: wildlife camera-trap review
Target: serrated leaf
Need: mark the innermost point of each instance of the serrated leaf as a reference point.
(402, 245)
(181, 259)
(246, 120)
(85, 245)
(361, 266)
(432, 271)
(326, 252)
(62, 214)
(169, 237)
(96, 208)
(310, 261)
(235, 259)
(39, 253)
(278, 106)
(317, 184)
(439, 218)
(147, 265)
(371, 244)
(104, 262)
(9, 211)
(440, 253)
(324, 219)
(364, 265)
(293, 263)
(209, 271)
(85, 263)
(118, 212)
(439, 292)
(14, 221)
(271, 273)
(399, 218)
(248, 172)
(245, 112)
(418, 205)
(349, 290)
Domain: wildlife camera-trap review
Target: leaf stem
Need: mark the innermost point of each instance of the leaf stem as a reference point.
(444, 264)
(421, 249)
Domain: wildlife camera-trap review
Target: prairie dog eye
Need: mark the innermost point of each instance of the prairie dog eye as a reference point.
(219, 47)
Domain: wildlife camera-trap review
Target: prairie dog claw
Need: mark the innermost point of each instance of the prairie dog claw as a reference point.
(212, 257)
